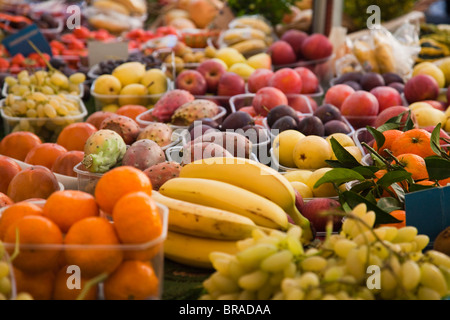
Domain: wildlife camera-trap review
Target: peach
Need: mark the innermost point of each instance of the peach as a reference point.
(391, 112)
(387, 97)
(301, 103)
(268, 98)
(287, 80)
(281, 53)
(259, 79)
(360, 103)
(337, 94)
(309, 80)
(421, 87)
(295, 38)
(316, 46)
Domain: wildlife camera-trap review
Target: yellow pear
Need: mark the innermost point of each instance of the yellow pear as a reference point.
(445, 67)
(429, 116)
(260, 61)
(303, 189)
(311, 152)
(354, 151)
(129, 72)
(134, 94)
(155, 80)
(324, 190)
(242, 69)
(230, 56)
(343, 139)
(283, 147)
(432, 70)
(108, 87)
(221, 61)
(298, 175)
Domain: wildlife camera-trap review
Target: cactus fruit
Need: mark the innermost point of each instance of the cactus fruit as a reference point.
(143, 154)
(159, 132)
(169, 102)
(126, 127)
(103, 150)
(202, 150)
(161, 172)
(194, 110)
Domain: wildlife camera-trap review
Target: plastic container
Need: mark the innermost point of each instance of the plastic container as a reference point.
(13, 293)
(47, 129)
(363, 135)
(277, 166)
(86, 180)
(361, 121)
(79, 95)
(175, 154)
(103, 100)
(140, 119)
(245, 99)
(151, 252)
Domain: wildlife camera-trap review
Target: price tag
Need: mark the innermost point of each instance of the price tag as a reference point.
(19, 42)
(101, 51)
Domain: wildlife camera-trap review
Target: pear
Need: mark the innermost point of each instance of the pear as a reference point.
(155, 80)
(133, 93)
(129, 72)
(107, 85)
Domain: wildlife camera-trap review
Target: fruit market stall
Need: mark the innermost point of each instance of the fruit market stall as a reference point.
(222, 150)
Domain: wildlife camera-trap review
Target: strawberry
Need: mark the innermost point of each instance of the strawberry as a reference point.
(82, 33)
(4, 64)
(18, 59)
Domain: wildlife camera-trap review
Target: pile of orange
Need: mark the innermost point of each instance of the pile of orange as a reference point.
(105, 235)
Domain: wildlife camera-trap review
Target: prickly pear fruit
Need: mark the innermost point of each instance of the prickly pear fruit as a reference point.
(126, 127)
(194, 110)
(237, 144)
(161, 172)
(103, 150)
(169, 102)
(202, 150)
(143, 154)
(159, 132)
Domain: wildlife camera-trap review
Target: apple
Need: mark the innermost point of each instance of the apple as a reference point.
(259, 79)
(387, 97)
(211, 70)
(299, 202)
(268, 98)
(391, 112)
(436, 104)
(301, 103)
(287, 80)
(230, 84)
(281, 53)
(421, 87)
(295, 38)
(309, 80)
(313, 209)
(192, 81)
(360, 108)
(316, 46)
(337, 94)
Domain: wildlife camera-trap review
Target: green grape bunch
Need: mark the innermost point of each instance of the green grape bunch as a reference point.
(277, 266)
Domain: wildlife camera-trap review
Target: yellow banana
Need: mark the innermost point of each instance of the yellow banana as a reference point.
(232, 36)
(225, 196)
(111, 5)
(201, 221)
(256, 23)
(249, 46)
(255, 177)
(194, 251)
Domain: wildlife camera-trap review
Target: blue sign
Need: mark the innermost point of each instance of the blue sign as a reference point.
(19, 42)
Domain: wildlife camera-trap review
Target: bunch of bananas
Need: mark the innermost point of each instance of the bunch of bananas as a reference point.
(216, 202)
(247, 34)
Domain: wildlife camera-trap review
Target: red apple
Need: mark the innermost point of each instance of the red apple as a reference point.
(287, 80)
(316, 46)
(387, 97)
(309, 80)
(313, 209)
(192, 81)
(259, 79)
(230, 84)
(295, 38)
(442, 134)
(211, 70)
(337, 94)
(360, 109)
(421, 87)
(281, 53)
(391, 112)
(268, 98)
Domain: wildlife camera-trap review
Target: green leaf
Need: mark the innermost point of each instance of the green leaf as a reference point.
(366, 171)
(378, 136)
(392, 177)
(381, 216)
(437, 168)
(389, 204)
(388, 126)
(371, 197)
(360, 187)
(342, 155)
(409, 124)
(339, 176)
(335, 164)
(418, 187)
(435, 139)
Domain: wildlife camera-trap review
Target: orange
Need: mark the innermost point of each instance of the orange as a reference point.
(16, 212)
(118, 182)
(62, 291)
(99, 251)
(379, 174)
(69, 206)
(45, 154)
(35, 231)
(415, 141)
(389, 137)
(4, 201)
(414, 164)
(38, 285)
(133, 280)
(426, 183)
(17, 144)
(131, 111)
(399, 215)
(74, 136)
(444, 182)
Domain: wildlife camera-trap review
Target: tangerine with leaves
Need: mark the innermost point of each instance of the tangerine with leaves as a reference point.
(93, 245)
(38, 285)
(15, 212)
(74, 136)
(414, 164)
(118, 182)
(133, 280)
(399, 215)
(389, 138)
(34, 231)
(416, 141)
(45, 154)
(69, 206)
(17, 144)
